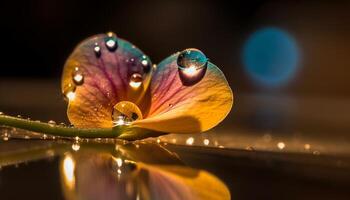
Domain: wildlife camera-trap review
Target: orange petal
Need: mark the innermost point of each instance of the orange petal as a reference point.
(189, 102)
(102, 71)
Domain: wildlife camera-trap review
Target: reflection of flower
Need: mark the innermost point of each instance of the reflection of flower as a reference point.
(114, 84)
(101, 175)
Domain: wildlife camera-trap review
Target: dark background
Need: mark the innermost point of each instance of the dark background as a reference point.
(37, 36)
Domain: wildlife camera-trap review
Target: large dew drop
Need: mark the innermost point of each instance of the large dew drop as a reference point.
(192, 65)
(135, 80)
(125, 112)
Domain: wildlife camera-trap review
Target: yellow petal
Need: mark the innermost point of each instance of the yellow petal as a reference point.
(186, 108)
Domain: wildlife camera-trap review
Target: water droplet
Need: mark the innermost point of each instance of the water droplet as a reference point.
(76, 138)
(146, 64)
(44, 136)
(75, 146)
(307, 146)
(69, 92)
(158, 140)
(51, 123)
(62, 124)
(192, 65)
(249, 148)
(171, 105)
(78, 77)
(5, 138)
(190, 141)
(26, 137)
(316, 153)
(97, 50)
(19, 116)
(206, 142)
(125, 112)
(281, 145)
(1, 113)
(135, 80)
(111, 41)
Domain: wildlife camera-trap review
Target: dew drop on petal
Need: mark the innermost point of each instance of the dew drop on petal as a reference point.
(97, 50)
(69, 92)
(111, 41)
(146, 64)
(125, 112)
(192, 65)
(78, 77)
(135, 80)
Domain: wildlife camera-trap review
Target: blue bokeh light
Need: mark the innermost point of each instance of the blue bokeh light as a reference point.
(271, 56)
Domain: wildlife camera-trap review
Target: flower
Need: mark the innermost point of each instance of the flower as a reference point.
(109, 82)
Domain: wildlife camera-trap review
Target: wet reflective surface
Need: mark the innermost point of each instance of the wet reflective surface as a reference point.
(267, 148)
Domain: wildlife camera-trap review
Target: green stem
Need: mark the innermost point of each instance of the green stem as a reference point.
(57, 130)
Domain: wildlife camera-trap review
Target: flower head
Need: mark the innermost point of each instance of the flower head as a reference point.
(109, 82)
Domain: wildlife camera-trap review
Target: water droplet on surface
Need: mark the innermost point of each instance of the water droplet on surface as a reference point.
(5, 138)
(206, 142)
(44, 136)
(192, 64)
(281, 145)
(111, 41)
(1, 113)
(78, 77)
(135, 80)
(146, 64)
(19, 116)
(51, 123)
(307, 146)
(26, 137)
(97, 50)
(125, 112)
(75, 146)
(249, 148)
(190, 141)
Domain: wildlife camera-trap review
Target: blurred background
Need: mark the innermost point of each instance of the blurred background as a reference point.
(286, 61)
